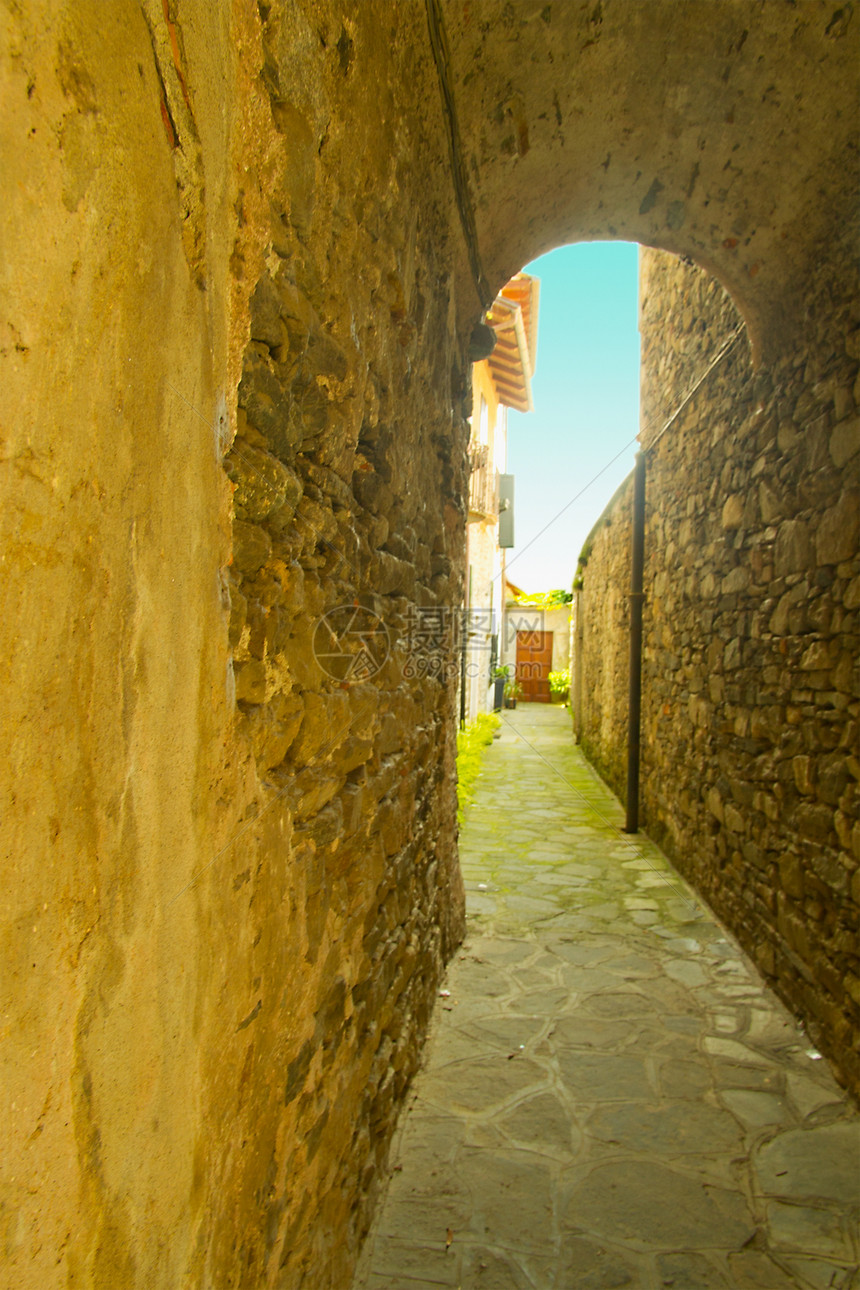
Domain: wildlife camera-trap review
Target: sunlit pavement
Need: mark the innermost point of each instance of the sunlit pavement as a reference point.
(611, 1097)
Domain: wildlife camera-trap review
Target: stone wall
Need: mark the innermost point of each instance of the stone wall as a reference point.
(231, 873)
(685, 321)
(349, 465)
(601, 664)
(750, 683)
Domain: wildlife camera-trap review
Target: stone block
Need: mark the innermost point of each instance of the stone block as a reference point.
(733, 511)
(352, 799)
(855, 887)
(817, 657)
(838, 534)
(324, 357)
(322, 828)
(802, 769)
(354, 752)
(272, 728)
(780, 618)
(737, 580)
(793, 548)
(319, 520)
(831, 869)
(250, 681)
(767, 723)
(833, 777)
(754, 855)
(313, 731)
(791, 875)
(732, 655)
(238, 615)
(252, 547)
(267, 404)
(814, 821)
(265, 310)
(311, 789)
(845, 441)
(734, 819)
(845, 675)
(787, 436)
(372, 492)
(263, 484)
(771, 506)
(742, 791)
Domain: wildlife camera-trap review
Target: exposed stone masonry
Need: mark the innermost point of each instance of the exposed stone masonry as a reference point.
(349, 471)
(686, 320)
(371, 901)
(750, 682)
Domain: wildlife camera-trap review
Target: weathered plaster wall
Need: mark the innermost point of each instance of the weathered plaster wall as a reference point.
(119, 334)
(751, 699)
(557, 621)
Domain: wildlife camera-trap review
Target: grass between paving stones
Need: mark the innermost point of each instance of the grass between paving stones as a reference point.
(472, 740)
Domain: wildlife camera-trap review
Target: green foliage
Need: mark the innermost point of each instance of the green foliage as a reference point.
(559, 684)
(513, 689)
(546, 599)
(471, 743)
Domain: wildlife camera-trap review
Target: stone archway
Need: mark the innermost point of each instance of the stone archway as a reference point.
(703, 130)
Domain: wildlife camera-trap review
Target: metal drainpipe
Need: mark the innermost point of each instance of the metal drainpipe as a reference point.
(636, 598)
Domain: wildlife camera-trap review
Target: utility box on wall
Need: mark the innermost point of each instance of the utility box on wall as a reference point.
(506, 510)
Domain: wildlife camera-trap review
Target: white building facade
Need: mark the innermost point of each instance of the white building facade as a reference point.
(499, 382)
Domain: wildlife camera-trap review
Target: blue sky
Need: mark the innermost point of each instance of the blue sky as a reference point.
(586, 397)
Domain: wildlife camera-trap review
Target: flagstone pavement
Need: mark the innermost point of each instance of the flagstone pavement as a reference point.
(610, 1097)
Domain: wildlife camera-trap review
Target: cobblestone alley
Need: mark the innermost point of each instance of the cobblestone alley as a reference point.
(610, 1096)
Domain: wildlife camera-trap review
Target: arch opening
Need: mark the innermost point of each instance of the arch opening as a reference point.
(735, 580)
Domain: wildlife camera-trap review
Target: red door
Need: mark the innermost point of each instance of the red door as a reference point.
(534, 664)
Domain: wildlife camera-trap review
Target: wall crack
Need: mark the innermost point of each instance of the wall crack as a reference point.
(180, 127)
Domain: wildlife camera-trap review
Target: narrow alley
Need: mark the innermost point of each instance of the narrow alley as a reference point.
(610, 1096)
